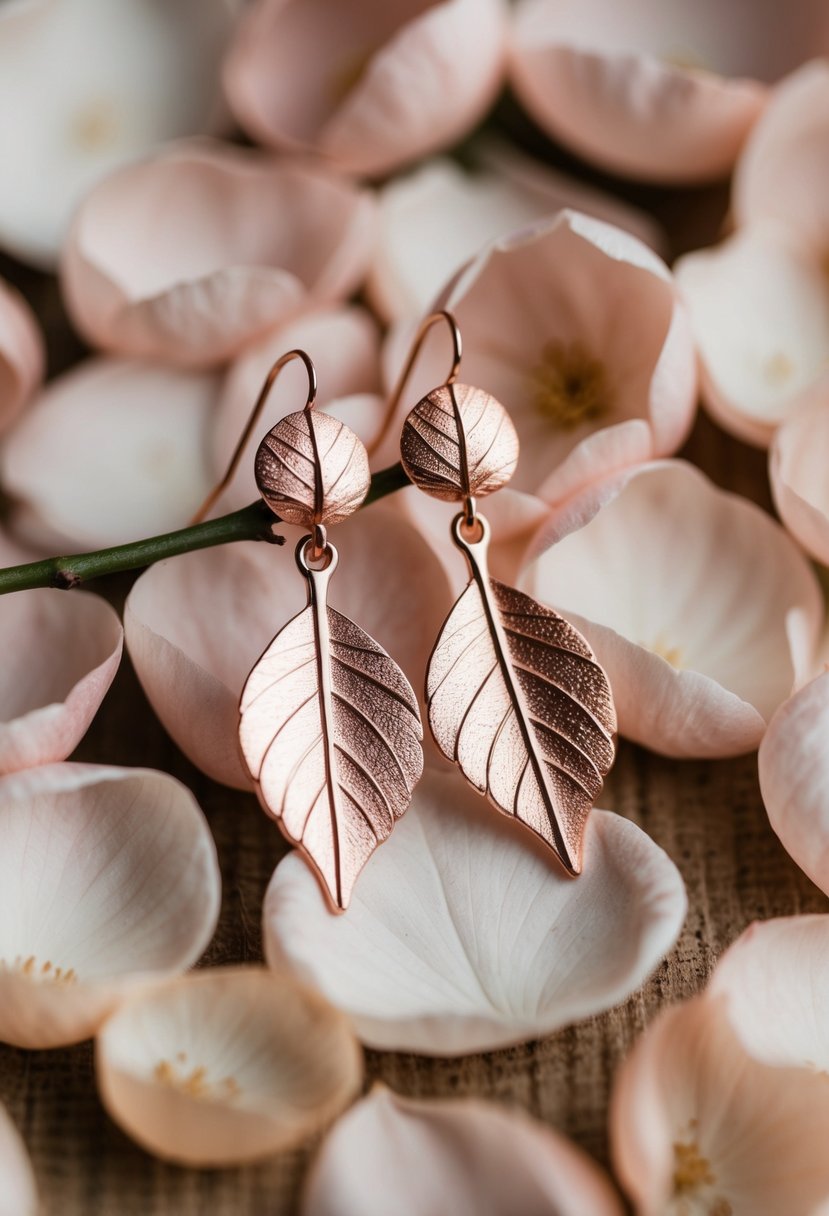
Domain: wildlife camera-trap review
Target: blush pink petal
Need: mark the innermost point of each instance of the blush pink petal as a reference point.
(483, 1160)
(246, 243)
(18, 1189)
(344, 344)
(794, 778)
(226, 1066)
(61, 655)
(759, 309)
(22, 356)
(798, 460)
(570, 288)
(113, 450)
(109, 879)
(783, 174)
(643, 89)
(700, 640)
(698, 1125)
(107, 83)
(432, 221)
(369, 85)
(464, 935)
(775, 982)
(195, 625)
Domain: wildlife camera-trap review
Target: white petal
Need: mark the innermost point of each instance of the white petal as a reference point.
(760, 314)
(464, 936)
(61, 655)
(797, 467)
(483, 1160)
(93, 85)
(701, 641)
(699, 1126)
(794, 778)
(114, 450)
(775, 980)
(18, 1191)
(109, 875)
(22, 354)
(225, 1066)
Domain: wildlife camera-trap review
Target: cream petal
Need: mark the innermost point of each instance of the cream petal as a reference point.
(114, 450)
(775, 981)
(61, 654)
(464, 936)
(760, 314)
(109, 878)
(196, 625)
(698, 1125)
(112, 81)
(433, 220)
(370, 86)
(782, 173)
(247, 242)
(225, 1066)
(22, 356)
(483, 1160)
(18, 1190)
(794, 778)
(576, 326)
(797, 467)
(642, 89)
(700, 640)
(344, 344)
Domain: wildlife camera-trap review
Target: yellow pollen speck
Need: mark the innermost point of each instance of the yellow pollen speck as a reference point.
(778, 368)
(33, 970)
(671, 654)
(95, 126)
(685, 58)
(195, 1082)
(692, 1177)
(569, 386)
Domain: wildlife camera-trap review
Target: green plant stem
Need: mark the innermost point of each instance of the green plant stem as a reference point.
(255, 522)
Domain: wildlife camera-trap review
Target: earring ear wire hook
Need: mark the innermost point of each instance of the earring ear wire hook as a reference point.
(393, 402)
(255, 414)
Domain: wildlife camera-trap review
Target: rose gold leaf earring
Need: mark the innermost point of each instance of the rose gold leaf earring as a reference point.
(516, 697)
(329, 726)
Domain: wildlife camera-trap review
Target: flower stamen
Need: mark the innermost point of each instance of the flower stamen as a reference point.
(195, 1081)
(693, 1177)
(95, 126)
(570, 386)
(45, 972)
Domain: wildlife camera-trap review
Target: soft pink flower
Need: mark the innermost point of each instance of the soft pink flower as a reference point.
(465, 935)
(783, 172)
(18, 1189)
(367, 85)
(111, 451)
(798, 463)
(416, 1157)
(577, 328)
(22, 357)
(759, 309)
(700, 1126)
(430, 222)
(664, 93)
(196, 624)
(108, 880)
(698, 605)
(794, 778)
(189, 255)
(344, 343)
(61, 654)
(91, 85)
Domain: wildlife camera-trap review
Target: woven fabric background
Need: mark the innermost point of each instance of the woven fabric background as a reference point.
(708, 816)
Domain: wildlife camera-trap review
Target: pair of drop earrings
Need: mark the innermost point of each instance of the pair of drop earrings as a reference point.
(330, 727)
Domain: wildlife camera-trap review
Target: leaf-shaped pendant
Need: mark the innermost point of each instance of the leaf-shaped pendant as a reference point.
(518, 701)
(330, 731)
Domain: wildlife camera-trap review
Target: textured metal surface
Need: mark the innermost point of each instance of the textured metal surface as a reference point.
(519, 703)
(312, 469)
(330, 730)
(459, 442)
